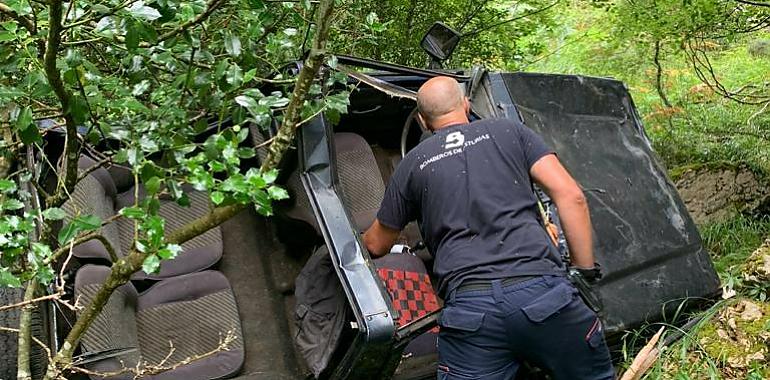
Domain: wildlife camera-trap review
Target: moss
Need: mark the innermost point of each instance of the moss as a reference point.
(737, 338)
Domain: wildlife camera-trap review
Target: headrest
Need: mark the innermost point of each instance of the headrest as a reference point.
(101, 174)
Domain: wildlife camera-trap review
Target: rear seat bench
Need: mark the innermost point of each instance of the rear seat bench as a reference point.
(188, 306)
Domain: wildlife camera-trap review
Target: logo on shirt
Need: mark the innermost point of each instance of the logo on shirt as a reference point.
(454, 140)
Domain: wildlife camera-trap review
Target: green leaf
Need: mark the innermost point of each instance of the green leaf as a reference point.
(234, 75)
(7, 279)
(45, 274)
(54, 213)
(217, 197)
(132, 35)
(233, 45)
(11, 204)
(30, 135)
(143, 12)
(152, 185)
(251, 74)
(277, 193)
(7, 186)
(24, 120)
(270, 176)
(246, 101)
(170, 252)
(66, 233)
(132, 212)
(217, 166)
(151, 264)
(87, 222)
(6, 36)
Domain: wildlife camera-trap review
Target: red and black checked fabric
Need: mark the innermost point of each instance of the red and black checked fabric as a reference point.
(411, 292)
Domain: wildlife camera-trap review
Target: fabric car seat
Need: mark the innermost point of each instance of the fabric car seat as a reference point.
(96, 194)
(408, 283)
(192, 313)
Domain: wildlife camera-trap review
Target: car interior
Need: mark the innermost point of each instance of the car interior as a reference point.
(233, 286)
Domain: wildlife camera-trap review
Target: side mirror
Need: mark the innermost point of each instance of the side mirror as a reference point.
(440, 41)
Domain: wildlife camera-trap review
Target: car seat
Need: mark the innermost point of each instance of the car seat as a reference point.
(97, 194)
(178, 318)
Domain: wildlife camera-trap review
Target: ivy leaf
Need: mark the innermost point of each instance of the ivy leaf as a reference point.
(151, 264)
(54, 213)
(217, 197)
(11, 204)
(246, 101)
(7, 186)
(143, 12)
(277, 193)
(234, 75)
(152, 185)
(132, 212)
(270, 176)
(66, 233)
(170, 252)
(233, 45)
(87, 222)
(7, 279)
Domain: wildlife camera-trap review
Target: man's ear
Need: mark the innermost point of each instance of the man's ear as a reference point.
(467, 105)
(422, 122)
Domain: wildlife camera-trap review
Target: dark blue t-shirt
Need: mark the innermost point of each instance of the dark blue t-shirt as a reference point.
(469, 188)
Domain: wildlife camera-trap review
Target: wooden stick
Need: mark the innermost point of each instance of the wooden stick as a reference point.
(644, 359)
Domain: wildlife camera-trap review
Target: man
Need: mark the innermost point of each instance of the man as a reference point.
(506, 295)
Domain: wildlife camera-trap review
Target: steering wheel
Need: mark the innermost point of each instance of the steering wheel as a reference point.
(410, 122)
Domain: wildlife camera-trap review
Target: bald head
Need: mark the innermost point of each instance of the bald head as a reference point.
(441, 103)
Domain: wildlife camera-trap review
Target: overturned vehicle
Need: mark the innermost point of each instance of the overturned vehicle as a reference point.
(249, 282)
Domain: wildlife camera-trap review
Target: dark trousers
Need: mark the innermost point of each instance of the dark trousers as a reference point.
(485, 334)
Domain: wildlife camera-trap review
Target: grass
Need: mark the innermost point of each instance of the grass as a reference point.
(731, 242)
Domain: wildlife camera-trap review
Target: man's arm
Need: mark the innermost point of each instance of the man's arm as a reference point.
(571, 205)
(380, 238)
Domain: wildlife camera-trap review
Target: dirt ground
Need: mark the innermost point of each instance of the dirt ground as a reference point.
(713, 193)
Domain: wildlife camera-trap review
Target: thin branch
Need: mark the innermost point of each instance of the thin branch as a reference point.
(36, 340)
(26, 22)
(143, 369)
(749, 2)
(510, 20)
(31, 301)
(211, 6)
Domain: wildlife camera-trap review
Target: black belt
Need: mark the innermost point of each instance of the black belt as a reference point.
(471, 285)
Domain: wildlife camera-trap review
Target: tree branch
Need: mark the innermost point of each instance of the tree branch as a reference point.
(26, 22)
(659, 75)
(25, 334)
(285, 136)
(72, 143)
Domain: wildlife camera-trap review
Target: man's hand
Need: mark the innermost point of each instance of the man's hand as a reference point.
(571, 205)
(379, 238)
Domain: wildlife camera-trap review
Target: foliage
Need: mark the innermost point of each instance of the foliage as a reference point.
(493, 31)
(700, 126)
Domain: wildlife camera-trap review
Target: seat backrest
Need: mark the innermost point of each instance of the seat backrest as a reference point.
(94, 195)
(359, 176)
(115, 326)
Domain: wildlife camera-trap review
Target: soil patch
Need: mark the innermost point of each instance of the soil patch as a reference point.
(719, 191)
